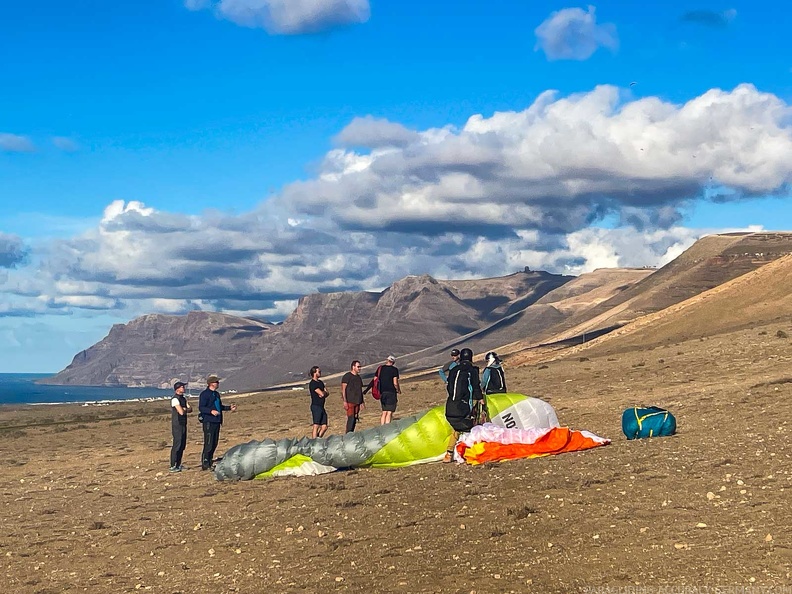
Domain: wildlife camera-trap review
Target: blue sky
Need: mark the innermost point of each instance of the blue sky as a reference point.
(231, 155)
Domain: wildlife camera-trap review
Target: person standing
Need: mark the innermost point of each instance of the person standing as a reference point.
(493, 380)
(319, 395)
(445, 369)
(179, 409)
(211, 408)
(389, 389)
(352, 395)
(464, 401)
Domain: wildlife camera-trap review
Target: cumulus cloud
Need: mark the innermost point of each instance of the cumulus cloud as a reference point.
(513, 189)
(559, 165)
(14, 143)
(374, 132)
(12, 250)
(710, 18)
(573, 34)
(287, 17)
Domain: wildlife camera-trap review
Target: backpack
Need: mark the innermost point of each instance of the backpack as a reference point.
(375, 385)
(648, 421)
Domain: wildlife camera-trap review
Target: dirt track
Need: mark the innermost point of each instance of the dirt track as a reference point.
(89, 505)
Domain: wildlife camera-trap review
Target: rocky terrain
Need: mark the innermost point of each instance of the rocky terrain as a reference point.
(89, 504)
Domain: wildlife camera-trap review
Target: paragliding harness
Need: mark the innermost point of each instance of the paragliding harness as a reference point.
(375, 385)
(647, 421)
(478, 408)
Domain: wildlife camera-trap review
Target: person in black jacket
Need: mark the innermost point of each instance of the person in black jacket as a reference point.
(211, 410)
(493, 380)
(179, 409)
(465, 399)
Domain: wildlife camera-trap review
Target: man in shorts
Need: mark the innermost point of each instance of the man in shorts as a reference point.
(389, 388)
(352, 395)
(318, 397)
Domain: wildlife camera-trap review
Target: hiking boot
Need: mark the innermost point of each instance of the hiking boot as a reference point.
(175, 469)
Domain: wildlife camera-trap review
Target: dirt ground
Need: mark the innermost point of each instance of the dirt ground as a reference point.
(88, 504)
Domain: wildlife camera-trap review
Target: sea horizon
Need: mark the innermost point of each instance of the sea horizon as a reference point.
(21, 388)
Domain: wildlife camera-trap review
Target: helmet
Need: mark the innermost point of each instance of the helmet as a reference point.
(466, 355)
(455, 352)
(492, 357)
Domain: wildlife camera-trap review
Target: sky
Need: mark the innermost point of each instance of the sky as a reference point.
(163, 156)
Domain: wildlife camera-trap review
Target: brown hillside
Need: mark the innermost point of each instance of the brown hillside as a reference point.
(758, 297)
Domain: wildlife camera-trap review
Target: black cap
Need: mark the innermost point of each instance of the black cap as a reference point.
(178, 385)
(455, 352)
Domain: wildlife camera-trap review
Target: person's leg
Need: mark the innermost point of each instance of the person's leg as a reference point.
(388, 416)
(206, 455)
(182, 446)
(174, 453)
(449, 456)
(323, 423)
(322, 430)
(314, 431)
(215, 441)
(352, 417)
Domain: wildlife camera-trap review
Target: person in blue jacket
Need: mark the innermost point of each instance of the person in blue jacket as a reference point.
(445, 369)
(210, 409)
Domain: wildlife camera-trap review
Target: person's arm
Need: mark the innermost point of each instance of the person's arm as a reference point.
(396, 384)
(343, 393)
(205, 403)
(476, 384)
(177, 406)
(368, 387)
(189, 407)
(442, 373)
(485, 379)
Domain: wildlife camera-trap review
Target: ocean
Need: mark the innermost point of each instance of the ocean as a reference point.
(20, 388)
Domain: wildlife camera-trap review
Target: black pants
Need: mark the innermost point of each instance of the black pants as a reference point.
(211, 437)
(179, 443)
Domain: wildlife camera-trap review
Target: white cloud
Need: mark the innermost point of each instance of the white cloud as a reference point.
(559, 165)
(14, 143)
(573, 34)
(502, 192)
(287, 17)
(65, 144)
(374, 132)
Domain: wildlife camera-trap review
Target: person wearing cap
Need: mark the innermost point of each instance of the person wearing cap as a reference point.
(389, 389)
(443, 371)
(179, 409)
(210, 409)
(493, 380)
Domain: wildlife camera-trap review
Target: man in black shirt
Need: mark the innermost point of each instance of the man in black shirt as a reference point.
(318, 396)
(389, 388)
(465, 399)
(352, 395)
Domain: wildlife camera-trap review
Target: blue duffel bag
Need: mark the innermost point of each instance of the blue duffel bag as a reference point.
(648, 421)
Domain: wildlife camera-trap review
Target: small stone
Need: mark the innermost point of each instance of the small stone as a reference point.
(160, 573)
(339, 579)
(238, 551)
(644, 529)
(769, 538)
(740, 482)
(711, 495)
(211, 552)
(461, 526)
(701, 525)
